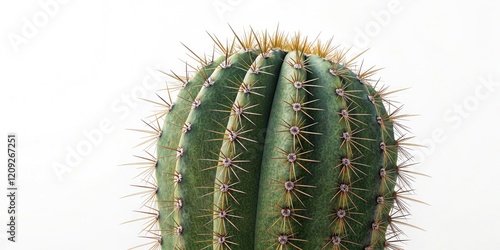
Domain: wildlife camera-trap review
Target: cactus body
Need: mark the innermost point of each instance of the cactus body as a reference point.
(281, 145)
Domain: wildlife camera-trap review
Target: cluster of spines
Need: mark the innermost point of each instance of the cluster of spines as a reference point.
(291, 208)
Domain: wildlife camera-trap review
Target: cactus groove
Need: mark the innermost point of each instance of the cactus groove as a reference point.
(279, 143)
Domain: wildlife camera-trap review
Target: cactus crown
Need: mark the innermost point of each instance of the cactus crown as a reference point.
(280, 143)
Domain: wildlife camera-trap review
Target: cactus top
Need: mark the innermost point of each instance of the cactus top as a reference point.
(279, 143)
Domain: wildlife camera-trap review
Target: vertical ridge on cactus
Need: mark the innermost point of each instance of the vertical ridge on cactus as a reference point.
(278, 143)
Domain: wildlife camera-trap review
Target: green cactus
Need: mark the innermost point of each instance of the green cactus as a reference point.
(278, 143)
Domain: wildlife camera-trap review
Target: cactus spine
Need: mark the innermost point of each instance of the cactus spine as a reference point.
(278, 143)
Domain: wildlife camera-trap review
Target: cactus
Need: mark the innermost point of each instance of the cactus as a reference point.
(278, 143)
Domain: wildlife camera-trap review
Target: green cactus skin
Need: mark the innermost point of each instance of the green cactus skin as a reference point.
(279, 144)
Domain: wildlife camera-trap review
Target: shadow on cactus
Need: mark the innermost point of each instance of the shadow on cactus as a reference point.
(278, 143)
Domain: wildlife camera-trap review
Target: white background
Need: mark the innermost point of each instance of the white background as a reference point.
(84, 63)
